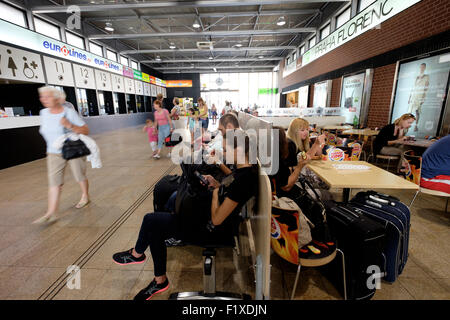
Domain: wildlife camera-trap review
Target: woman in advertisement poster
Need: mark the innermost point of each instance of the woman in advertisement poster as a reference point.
(418, 94)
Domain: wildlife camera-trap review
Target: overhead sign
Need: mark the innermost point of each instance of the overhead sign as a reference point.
(118, 83)
(137, 74)
(58, 72)
(179, 83)
(128, 72)
(84, 77)
(129, 86)
(103, 80)
(152, 80)
(145, 77)
(373, 15)
(139, 87)
(20, 65)
(147, 91)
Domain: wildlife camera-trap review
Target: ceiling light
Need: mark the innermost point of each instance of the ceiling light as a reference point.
(238, 45)
(260, 57)
(281, 21)
(109, 27)
(158, 58)
(172, 46)
(215, 70)
(210, 58)
(196, 24)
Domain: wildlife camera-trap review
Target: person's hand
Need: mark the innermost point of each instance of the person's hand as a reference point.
(321, 140)
(66, 123)
(303, 161)
(404, 138)
(212, 182)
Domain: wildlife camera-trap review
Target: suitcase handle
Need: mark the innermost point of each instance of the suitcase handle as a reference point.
(373, 198)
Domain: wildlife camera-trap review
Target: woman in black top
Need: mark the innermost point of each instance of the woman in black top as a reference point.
(289, 168)
(210, 224)
(389, 137)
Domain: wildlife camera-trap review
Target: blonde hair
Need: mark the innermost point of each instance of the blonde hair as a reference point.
(177, 101)
(405, 116)
(292, 133)
(159, 96)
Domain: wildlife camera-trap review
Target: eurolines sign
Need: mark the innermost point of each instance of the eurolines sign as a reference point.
(66, 51)
(11, 33)
(373, 15)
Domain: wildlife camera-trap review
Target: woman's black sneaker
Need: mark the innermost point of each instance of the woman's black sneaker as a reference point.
(172, 242)
(152, 289)
(124, 258)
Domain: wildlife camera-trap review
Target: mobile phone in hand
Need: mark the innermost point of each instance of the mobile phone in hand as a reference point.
(202, 178)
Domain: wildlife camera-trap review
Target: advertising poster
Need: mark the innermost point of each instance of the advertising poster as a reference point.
(421, 90)
(351, 96)
(321, 94)
(303, 97)
(292, 99)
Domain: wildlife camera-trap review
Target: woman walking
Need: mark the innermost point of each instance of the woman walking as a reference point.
(54, 120)
(164, 125)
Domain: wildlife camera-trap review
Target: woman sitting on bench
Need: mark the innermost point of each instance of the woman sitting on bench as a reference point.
(215, 223)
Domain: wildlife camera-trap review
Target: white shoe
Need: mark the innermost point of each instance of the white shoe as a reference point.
(157, 156)
(168, 155)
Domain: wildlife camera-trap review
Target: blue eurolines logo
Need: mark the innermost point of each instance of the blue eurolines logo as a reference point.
(106, 64)
(66, 51)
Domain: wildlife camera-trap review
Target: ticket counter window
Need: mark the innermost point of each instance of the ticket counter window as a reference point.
(131, 103)
(140, 103)
(101, 101)
(116, 102)
(82, 102)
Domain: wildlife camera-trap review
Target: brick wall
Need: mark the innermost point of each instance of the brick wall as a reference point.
(421, 21)
(335, 93)
(380, 99)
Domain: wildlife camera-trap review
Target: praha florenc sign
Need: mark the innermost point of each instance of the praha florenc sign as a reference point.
(373, 15)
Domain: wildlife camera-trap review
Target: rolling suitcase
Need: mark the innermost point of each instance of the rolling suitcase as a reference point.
(396, 217)
(361, 239)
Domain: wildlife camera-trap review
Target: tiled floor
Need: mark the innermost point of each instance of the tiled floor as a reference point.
(34, 259)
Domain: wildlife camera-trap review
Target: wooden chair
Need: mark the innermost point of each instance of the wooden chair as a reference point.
(413, 170)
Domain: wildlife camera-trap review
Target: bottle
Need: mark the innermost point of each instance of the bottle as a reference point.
(355, 122)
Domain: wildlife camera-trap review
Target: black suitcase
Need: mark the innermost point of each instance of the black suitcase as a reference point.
(361, 239)
(396, 216)
(164, 188)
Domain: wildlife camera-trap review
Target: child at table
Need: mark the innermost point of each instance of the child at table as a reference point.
(152, 132)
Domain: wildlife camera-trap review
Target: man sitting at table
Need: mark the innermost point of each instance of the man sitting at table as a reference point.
(435, 173)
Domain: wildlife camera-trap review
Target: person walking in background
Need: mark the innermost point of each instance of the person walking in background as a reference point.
(214, 113)
(54, 119)
(176, 110)
(164, 125)
(203, 116)
(152, 132)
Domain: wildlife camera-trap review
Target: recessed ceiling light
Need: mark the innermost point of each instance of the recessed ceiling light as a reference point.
(281, 21)
(109, 27)
(172, 46)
